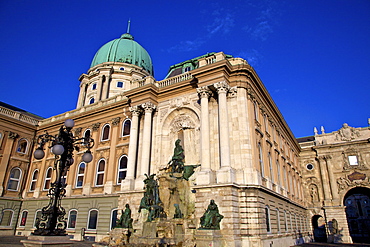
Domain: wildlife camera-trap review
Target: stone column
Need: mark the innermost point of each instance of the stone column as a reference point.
(91, 167)
(324, 179)
(128, 183)
(332, 180)
(111, 179)
(147, 137)
(82, 95)
(8, 147)
(225, 174)
(205, 176)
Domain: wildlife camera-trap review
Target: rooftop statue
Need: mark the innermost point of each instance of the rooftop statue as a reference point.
(211, 218)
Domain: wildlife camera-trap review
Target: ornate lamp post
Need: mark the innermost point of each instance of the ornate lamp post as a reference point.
(52, 222)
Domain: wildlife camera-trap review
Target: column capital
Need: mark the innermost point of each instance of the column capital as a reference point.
(115, 121)
(148, 107)
(136, 110)
(221, 87)
(204, 92)
(95, 126)
(12, 135)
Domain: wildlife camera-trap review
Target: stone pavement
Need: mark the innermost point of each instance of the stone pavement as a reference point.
(15, 241)
(330, 245)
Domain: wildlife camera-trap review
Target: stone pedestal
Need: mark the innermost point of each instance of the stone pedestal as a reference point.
(206, 238)
(119, 236)
(49, 241)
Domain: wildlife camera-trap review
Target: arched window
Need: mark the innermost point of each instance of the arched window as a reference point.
(260, 159)
(14, 179)
(38, 215)
(23, 219)
(122, 169)
(87, 133)
(126, 127)
(255, 107)
(285, 221)
(49, 173)
(22, 146)
(93, 87)
(93, 219)
(113, 218)
(105, 132)
(72, 217)
(6, 217)
(278, 220)
(268, 221)
(270, 167)
(80, 175)
(278, 171)
(35, 175)
(92, 100)
(100, 173)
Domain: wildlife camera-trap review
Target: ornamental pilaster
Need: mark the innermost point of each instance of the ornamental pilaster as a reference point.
(95, 126)
(115, 121)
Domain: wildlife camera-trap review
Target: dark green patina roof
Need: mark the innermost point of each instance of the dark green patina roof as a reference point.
(124, 50)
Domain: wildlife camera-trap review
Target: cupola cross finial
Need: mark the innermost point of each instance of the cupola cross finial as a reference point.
(128, 26)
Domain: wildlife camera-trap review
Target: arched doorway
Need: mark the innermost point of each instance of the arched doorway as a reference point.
(319, 229)
(357, 202)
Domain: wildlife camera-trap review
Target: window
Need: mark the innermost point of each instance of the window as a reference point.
(186, 69)
(122, 68)
(267, 215)
(100, 173)
(80, 175)
(352, 160)
(271, 169)
(285, 221)
(278, 220)
(126, 127)
(93, 219)
(309, 167)
(87, 134)
(23, 218)
(35, 175)
(38, 216)
(113, 218)
(14, 179)
(120, 84)
(22, 146)
(105, 132)
(47, 182)
(92, 100)
(255, 110)
(122, 169)
(6, 217)
(72, 216)
(93, 87)
(278, 171)
(260, 158)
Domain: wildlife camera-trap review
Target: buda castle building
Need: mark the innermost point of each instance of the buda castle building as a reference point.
(271, 188)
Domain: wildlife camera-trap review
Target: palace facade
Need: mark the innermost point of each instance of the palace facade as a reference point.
(226, 121)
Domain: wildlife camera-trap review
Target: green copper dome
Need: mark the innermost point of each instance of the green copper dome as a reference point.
(124, 50)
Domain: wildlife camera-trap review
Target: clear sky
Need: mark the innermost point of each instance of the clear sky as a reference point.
(313, 56)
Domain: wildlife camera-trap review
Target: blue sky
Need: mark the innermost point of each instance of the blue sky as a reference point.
(313, 56)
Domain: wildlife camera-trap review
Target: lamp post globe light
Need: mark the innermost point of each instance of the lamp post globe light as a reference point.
(52, 222)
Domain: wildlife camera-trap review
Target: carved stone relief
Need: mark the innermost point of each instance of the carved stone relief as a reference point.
(347, 133)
